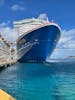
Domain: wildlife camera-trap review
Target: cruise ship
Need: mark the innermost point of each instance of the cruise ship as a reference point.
(37, 39)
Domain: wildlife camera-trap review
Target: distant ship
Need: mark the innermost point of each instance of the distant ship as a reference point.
(37, 39)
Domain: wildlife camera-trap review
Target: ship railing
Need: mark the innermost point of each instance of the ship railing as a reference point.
(4, 51)
(5, 55)
(25, 46)
(28, 46)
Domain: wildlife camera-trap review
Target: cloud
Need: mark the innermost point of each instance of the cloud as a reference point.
(43, 16)
(67, 39)
(17, 7)
(10, 34)
(66, 45)
(4, 24)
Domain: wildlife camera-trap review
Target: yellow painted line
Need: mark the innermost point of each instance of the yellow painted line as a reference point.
(5, 96)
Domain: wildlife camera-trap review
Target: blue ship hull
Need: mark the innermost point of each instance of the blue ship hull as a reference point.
(37, 45)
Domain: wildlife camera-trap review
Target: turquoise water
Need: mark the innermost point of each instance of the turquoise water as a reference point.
(39, 81)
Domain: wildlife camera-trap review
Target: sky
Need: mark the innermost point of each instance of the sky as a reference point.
(61, 11)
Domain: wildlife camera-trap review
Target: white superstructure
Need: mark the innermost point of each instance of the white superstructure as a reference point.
(27, 25)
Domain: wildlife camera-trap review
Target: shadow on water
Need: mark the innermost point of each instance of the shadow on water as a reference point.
(42, 70)
(1, 69)
(39, 70)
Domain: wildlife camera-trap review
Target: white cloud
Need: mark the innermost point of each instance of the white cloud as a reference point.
(62, 53)
(17, 7)
(2, 2)
(66, 45)
(9, 33)
(4, 24)
(67, 39)
(43, 16)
